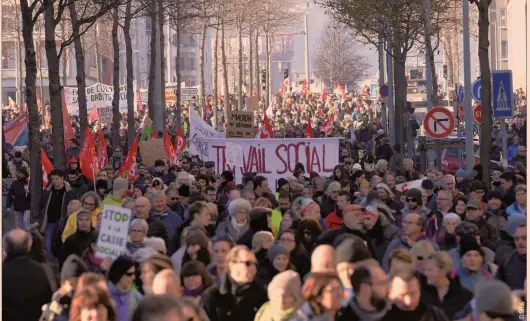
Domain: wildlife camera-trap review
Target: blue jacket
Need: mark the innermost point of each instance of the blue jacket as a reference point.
(126, 302)
(514, 209)
(171, 220)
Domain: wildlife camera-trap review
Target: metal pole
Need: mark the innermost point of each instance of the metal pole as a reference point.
(307, 53)
(381, 50)
(468, 113)
(157, 108)
(1, 65)
(391, 113)
(428, 75)
(504, 144)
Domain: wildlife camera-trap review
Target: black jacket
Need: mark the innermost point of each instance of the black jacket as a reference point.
(26, 289)
(68, 196)
(77, 244)
(381, 237)
(489, 235)
(156, 228)
(329, 236)
(454, 301)
(423, 312)
(79, 187)
(512, 270)
(226, 302)
(18, 197)
(256, 224)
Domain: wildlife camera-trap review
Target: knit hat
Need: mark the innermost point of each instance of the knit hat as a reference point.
(197, 238)
(289, 281)
(18, 154)
(495, 195)
(72, 267)
(494, 296)
(427, 184)
(101, 183)
(386, 188)
(157, 244)
(119, 268)
(513, 223)
(352, 250)
(119, 183)
(275, 250)
(469, 243)
(281, 182)
(460, 172)
(415, 194)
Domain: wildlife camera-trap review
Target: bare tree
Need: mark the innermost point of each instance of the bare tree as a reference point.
(116, 79)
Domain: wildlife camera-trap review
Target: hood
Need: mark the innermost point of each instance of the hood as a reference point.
(369, 316)
(115, 292)
(67, 187)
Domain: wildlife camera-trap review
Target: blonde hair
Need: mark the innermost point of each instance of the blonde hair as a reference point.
(214, 212)
(443, 261)
(261, 238)
(424, 248)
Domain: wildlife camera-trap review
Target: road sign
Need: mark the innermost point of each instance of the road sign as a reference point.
(373, 91)
(477, 114)
(439, 123)
(383, 91)
(460, 94)
(502, 90)
(476, 90)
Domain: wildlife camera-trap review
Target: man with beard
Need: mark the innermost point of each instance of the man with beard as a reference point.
(285, 199)
(77, 183)
(261, 189)
(370, 301)
(329, 202)
(334, 219)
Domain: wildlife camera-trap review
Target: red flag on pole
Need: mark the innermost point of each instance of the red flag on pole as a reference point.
(304, 87)
(68, 130)
(47, 167)
(128, 169)
(87, 155)
(102, 159)
(94, 114)
(170, 150)
(323, 96)
(180, 141)
(327, 126)
(309, 130)
(266, 128)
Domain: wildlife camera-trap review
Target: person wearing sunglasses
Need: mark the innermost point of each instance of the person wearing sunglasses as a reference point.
(121, 276)
(240, 294)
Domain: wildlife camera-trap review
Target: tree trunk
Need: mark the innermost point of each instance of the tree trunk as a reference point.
(65, 54)
(202, 100)
(35, 164)
(19, 62)
(215, 77)
(250, 65)
(268, 71)
(430, 52)
(449, 61)
(485, 73)
(116, 80)
(131, 130)
(80, 70)
(162, 72)
(240, 103)
(179, 77)
(41, 76)
(258, 86)
(400, 96)
(225, 73)
(59, 156)
(152, 63)
(98, 56)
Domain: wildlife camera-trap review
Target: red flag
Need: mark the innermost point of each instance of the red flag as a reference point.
(155, 133)
(47, 167)
(87, 155)
(266, 128)
(101, 157)
(284, 87)
(327, 126)
(339, 90)
(304, 87)
(170, 150)
(180, 141)
(94, 114)
(68, 130)
(323, 96)
(309, 130)
(128, 169)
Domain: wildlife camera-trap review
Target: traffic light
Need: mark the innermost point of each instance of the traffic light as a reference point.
(445, 71)
(285, 73)
(263, 78)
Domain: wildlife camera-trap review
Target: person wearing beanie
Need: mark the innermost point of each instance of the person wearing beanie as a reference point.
(495, 213)
(512, 268)
(102, 188)
(119, 188)
(120, 277)
(378, 222)
(284, 291)
(473, 267)
(18, 198)
(159, 168)
(79, 241)
(414, 203)
(283, 184)
(495, 301)
(278, 257)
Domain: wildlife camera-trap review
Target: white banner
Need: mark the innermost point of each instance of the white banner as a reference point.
(199, 132)
(99, 95)
(276, 158)
(114, 230)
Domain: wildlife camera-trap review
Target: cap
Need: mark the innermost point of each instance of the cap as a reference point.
(494, 296)
(460, 172)
(119, 183)
(475, 204)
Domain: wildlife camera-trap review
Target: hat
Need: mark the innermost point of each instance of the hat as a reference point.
(476, 186)
(157, 244)
(386, 188)
(494, 296)
(159, 162)
(24, 171)
(227, 175)
(281, 182)
(101, 183)
(72, 267)
(230, 186)
(513, 223)
(380, 132)
(466, 228)
(475, 204)
(73, 160)
(460, 172)
(197, 237)
(415, 194)
(275, 250)
(209, 164)
(494, 195)
(357, 166)
(184, 190)
(119, 268)
(351, 250)
(427, 184)
(289, 281)
(119, 183)
(18, 154)
(469, 243)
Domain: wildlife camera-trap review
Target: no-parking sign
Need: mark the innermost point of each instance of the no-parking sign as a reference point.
(439, 122)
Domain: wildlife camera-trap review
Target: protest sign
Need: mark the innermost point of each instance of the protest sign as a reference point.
(152, 150)
(100, 95)
(200, 131)
(275, 158)
(408, 185)
(113, 232)
(241, 124)
(234, 155)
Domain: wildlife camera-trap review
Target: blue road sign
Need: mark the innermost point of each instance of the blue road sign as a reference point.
(373, 91)
(476, 90)
(502, 90)
(460, 93)
(383, 91)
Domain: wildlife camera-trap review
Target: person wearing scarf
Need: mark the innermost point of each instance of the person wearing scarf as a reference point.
(283, 292)
(473, 268)
(195, 279)
(120, 278)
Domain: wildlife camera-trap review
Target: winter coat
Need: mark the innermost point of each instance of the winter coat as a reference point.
(423, 312)
(79, 187)
(327, 206)
(71, 223)
(509, 197)
(256, 224)
(156, 228)
(46, 195)
(445, 241)
(489, 235)
(489, 255)
(29, 289)
(266, 313)
(381, 236)
(305, 313)
(226, 302)
(513, 271)
(125, 302)
(77, 244)
(396, 162)
(14, 167)
(170, 219)
(266, 272)
(515, 209)
(454, 301)
(226, 228)
(17, 196)
(353, 312)
(385, 152)
(333, 220)
(469, 280)
(433, 224)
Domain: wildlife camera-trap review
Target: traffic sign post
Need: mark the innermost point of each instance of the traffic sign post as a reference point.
(460, 93)
(439, 123)
(373, 91)
(476, 90)
(477, 114)
(189, 94)
(502, 90)
(383, 91)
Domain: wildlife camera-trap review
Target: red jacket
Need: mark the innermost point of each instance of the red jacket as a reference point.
(333, 221)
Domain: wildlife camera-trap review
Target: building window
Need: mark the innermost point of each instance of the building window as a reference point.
(104, 63)
(503, 22)
(504, 49)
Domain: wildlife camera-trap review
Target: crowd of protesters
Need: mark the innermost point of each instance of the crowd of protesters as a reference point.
(201, 246)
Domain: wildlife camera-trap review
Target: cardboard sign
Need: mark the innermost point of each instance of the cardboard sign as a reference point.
(152, 150)
(98, 94)
(200, 131)
(105, 115)
(241, 124)
(114, 230)
(234, 155)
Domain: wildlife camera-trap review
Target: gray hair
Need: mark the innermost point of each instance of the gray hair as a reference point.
(239, 205)
(380, 163)
(126, 201)
(94, 195)
(156, 194)
(333, 183)
(141, 222)
(452, 217)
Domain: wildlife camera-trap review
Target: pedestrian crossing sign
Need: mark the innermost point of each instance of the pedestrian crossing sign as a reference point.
(502, 90)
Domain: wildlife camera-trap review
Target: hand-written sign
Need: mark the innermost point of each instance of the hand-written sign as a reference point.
(114, 231)
(105, 115)
(241, 125)
(98, 94)
(152, 150)
(234, 155)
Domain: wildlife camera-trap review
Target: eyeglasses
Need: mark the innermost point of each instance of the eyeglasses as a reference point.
(420, 257)
(286, 239)
(411, 200)
(174, 198)
(89, 204)
(247, 263)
